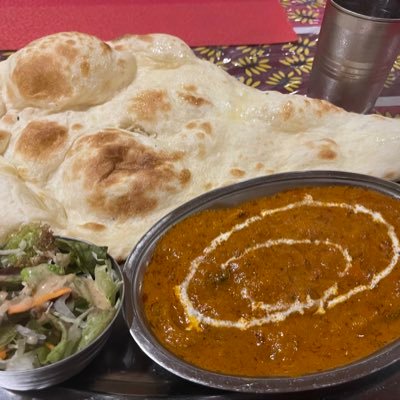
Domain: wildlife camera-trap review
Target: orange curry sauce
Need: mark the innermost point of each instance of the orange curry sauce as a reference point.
(299, 282)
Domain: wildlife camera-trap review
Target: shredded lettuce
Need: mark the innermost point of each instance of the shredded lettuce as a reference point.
(38, 327)
(95, 324)
(67, 345)
(32, 276)
(82, 259)
(57, 353)
(57, 269)
(103, 279)
(8, 333)
(41, 353)
(74, 336)
(30, 241)
(81, 289)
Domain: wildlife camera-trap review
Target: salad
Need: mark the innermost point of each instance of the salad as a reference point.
(56, 296)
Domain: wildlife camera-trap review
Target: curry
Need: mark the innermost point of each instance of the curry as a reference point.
(299, 282)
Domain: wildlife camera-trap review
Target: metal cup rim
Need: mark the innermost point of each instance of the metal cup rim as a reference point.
(362, 16)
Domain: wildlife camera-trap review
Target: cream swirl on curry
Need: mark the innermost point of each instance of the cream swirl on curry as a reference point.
(280, 311)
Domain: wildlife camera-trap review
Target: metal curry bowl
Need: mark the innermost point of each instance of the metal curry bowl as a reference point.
(52, 374)
(138, 260)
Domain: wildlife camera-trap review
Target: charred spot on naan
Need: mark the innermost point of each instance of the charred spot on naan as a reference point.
(190, 87)
(237, 172)
(191, 125)
(391, 175)
(185, 176)
(325, 108)
(326, 149)
(300, 114)
(190, 95)
(93, 226)
(40, 77)
(4, 140)
(76, 127)
(290, 117)
(193, 100)
(94, 141)
(123, 176)
(41, 139)
(9, 118)
(68, 50)
(327, 154)
(149, 104)
(287, 110)
(85, 67)
(3, 109)
(67, 71)
(259, 166)
(205, 127)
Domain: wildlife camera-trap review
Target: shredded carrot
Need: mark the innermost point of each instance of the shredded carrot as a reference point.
(24, 305)
(37, 301)
(3, 354)
(49, 345)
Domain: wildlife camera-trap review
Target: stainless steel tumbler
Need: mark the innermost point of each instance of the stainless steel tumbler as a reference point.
(357, 46)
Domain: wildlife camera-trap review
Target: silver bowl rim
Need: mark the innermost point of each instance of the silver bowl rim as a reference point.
(134, 268)
(91, 346)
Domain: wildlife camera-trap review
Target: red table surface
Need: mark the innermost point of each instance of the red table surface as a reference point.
(197, 22)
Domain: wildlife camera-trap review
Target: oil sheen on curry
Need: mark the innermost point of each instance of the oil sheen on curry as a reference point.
(303, 281)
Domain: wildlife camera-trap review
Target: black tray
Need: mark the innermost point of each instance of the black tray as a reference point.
(123, 371)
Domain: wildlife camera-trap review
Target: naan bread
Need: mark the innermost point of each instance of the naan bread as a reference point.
(22, 203)
(102, 139)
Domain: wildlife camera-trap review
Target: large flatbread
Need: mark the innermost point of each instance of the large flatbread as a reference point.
(102, 139)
